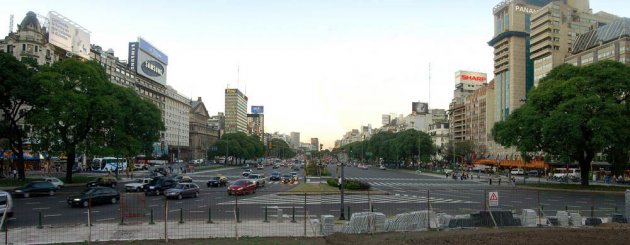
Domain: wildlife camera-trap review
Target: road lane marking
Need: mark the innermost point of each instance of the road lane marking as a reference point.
(99, 220)
(33, 203)
(41, 208)
(52, 215)
(516, 202)
(196, 211)
(154, 205)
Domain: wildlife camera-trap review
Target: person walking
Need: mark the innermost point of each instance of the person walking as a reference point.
(14, 173)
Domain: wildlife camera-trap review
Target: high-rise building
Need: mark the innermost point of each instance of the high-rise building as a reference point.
(256, 124)
(609, 42)
(475, 117)
(176, 114)
(315, 144)
(295, 140)
(466, 83)
(235, 111)
(555, 28)
(513, 67)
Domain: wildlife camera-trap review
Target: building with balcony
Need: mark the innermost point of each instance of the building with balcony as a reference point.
(235, 111)
(31, 41)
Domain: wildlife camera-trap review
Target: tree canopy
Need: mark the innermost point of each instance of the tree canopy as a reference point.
(238, 145)
(574, 113)
(393, 147)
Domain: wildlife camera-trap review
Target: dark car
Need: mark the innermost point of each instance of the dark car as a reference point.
(287, 178)
(275, 176)
(217, 181)
(103, 181)
(35, 188)
(242, 187)
(93, 196)
(159, 185)
(182, 190)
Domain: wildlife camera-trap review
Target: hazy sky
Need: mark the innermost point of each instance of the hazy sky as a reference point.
(319, 67)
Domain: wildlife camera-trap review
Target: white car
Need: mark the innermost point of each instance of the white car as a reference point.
(382, 167)
(136, 185)
(55, 181)
(6, 204)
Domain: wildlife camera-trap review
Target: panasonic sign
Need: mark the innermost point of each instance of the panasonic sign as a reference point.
(524, 9)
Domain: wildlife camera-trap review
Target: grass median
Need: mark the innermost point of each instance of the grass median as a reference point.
(313, 188)
(565, 186)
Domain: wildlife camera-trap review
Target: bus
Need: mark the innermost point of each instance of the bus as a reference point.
(105, 164)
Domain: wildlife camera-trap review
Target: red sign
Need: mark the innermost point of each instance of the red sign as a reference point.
(473, 78)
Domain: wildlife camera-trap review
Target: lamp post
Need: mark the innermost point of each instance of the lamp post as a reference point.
(179, 128)
(342, 157)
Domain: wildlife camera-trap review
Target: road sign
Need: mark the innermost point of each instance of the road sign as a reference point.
(493, 198)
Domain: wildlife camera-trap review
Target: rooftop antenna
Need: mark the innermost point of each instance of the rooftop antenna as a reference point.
(11, 23)
(429, 85)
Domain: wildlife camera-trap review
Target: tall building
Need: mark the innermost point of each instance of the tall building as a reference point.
(256, 125)
(176, 114)
(555, 28)
(295, 140)
(513, 67)
(475, 117)
(31, 40)
(217, 122)
(609, 42)
(235, 111)
(466, 83)
(315, 144)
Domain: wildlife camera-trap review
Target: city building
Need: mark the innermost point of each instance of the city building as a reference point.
(217, 122)
(256, 125)
(235, 111)
(295, 140)
(202, 136)
(439, 132)
(315, 144)
(475, 117)
(555, 28)
(513, 67)
(609, 42)
(176, 114)
(31, 40)
(466, 83)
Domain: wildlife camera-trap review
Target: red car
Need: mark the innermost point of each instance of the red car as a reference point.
(242, 187)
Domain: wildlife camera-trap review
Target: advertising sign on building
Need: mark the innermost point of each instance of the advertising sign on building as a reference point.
(419, 108)
(385, 119)
(68, 35)
(470, 77)
(258, 109)
(148, 61)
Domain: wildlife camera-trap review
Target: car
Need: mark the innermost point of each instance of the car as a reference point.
(182, 190)
(287, 178)
(247, 172)
(55, 181)
(137, 185)
(275, 166)
(362, 166)
(295, 176)
(260, 167)
(6, 203)
(296, 168)
(275, 176)
(382, 167)
(217, 181)
(259, 178)
(245, 166)
(517, 171)
(159, 185)
(103, 181)
(94, 195)
(242, 187)
(35, 188)
(183, 178)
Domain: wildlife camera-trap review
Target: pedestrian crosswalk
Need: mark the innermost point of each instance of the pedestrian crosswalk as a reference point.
(409, 182)
(274, 199)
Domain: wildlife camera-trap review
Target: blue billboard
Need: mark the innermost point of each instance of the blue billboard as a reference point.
(147, 47)
(258, 109)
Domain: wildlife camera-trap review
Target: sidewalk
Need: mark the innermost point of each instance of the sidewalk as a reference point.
(190, 229)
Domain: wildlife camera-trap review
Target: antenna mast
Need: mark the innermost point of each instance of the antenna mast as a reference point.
(11, 24)
(429, 85)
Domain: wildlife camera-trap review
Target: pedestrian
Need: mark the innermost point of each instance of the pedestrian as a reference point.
(499, 180)
(513, 182)
(14, 174)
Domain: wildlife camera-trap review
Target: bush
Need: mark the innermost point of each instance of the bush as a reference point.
(350, 184)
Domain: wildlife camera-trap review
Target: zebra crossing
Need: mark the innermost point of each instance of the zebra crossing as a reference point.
(408, 182)
(274, 199)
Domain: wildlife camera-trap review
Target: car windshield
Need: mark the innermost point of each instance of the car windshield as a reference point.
(88, 191)
(180, 186)
(253, 176)
(241, 182)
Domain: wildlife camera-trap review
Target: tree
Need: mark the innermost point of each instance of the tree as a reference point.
(574, 113)
(280, 149)
(238, 145)
(455, 151)
(17, 92)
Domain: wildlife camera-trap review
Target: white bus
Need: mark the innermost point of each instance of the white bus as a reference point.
(105, 164)
(564, 172)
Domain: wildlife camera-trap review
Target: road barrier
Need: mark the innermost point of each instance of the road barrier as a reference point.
(214, 214)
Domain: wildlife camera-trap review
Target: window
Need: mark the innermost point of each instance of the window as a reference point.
(23, 47)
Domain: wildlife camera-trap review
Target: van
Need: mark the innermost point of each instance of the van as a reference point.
(563, 172)
(517, 171)
(6, 203)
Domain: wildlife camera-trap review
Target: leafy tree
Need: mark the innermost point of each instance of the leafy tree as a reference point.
(17, 92)
(456, 151)
(573, 114)
(393, 147)
(238, 145)
(280, 149)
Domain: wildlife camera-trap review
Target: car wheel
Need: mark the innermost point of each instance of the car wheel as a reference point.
(114, 200)
(51, 193)
(27, 195)
(138, 189)
(86, 204)
(196, 194)
(179, 197)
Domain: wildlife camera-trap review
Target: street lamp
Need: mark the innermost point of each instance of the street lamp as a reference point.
(342, 157)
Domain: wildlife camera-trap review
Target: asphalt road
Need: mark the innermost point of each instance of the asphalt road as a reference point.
(406, 191)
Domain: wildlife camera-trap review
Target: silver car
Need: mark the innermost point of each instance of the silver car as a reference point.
(182, 190)
(6, 204)
(259, 178)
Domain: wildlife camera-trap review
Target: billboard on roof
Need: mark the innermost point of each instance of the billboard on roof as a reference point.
(68, 35)
(147, 61)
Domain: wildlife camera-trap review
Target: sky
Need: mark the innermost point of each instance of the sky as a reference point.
(319, 67)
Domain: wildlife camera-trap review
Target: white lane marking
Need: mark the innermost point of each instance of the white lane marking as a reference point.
(45, 208)
(52, 215)
(99, 220)
(32, 203)
(196, 211)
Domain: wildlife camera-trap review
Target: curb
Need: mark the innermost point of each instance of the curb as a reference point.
(569, 190)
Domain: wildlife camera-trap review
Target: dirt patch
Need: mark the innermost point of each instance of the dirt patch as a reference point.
(605, 234)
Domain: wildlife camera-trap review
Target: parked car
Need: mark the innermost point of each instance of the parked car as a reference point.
(94, 195)
(247, 172)
(35, 188)
(217, 181)
(137, 185)
(55, 181)
(182, 190)
(295, 176)
(103, 181)
(159, 185)
(183, 178)
(6, 203)
(517, 171)
(242, 187)
(245, 166)
(275, 176)
(259, 178)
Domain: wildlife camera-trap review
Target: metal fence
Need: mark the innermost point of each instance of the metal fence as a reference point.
(214, 214)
